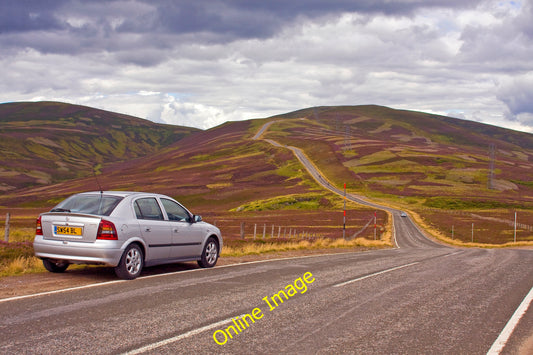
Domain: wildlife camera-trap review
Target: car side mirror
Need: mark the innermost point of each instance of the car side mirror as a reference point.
(197, 219)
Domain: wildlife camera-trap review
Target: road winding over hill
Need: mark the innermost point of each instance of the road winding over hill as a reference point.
(419, 298)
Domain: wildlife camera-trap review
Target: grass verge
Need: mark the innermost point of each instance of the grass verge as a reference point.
(17, 258)
(437, 234)
(242, 248)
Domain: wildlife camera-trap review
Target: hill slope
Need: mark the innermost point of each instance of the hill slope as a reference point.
(382, 151)
(419, 162)
(378, 151)
(47, 142)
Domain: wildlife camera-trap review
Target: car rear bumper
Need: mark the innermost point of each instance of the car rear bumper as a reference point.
(102, 252)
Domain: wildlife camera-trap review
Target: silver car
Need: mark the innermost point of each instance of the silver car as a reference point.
(125, 230)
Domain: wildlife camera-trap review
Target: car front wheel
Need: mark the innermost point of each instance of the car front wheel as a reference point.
(131, 263)
(209, 254)
(55, 266)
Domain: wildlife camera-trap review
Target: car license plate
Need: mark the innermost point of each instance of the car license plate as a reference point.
(60, 230)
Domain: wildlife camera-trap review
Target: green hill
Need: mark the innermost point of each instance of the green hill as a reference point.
(404, 154)
(436, 166)
(48, 142)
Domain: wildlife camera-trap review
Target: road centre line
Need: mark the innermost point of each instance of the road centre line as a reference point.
(452, 254)
(507, 331)
(176, 338)
(375, 274)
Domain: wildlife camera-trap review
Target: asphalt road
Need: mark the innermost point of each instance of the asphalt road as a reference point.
(420, 298)
(424, 300)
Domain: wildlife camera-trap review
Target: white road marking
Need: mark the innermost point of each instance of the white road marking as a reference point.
(59, 291)
(375, 274)
(176, 338)
(167, 274)
(504, 336)
(452, 254)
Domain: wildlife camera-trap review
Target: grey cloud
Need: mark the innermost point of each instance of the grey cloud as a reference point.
(518, 95)
(227, 20)
(94, 22)
(29, 15)
(506, 46)
(232, 59)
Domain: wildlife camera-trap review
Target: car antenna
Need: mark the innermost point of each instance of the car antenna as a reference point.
(97, 182)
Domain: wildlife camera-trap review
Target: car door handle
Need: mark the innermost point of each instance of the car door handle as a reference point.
(147, 229)
(175, 230)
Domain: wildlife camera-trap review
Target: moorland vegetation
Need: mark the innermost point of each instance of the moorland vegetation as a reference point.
(458, 179)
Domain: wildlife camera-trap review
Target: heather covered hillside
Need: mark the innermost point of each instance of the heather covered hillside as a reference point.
(221, 168)
(457, 175)
(47, 142)
(467, 181)
(406, 156)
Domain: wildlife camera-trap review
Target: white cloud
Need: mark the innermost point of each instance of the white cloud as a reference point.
(467, 60)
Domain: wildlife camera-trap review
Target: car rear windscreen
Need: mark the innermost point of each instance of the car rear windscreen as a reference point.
(97, 204)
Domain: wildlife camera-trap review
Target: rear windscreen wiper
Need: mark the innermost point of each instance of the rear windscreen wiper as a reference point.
(60, 210)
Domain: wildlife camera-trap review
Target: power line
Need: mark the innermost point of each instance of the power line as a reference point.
(492, 154)
(347, 140)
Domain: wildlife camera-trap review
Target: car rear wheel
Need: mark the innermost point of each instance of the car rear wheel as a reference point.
(209, 254)
(131, 263)
(55, 266)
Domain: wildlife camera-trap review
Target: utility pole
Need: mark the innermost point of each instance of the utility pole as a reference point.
(6, 233)
(344, 218)
(515, 226)
(315, 114)
(347, 141)
(490, 183)
(375, 224)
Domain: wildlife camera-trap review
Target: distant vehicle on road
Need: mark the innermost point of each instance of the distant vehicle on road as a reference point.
(125, 230)
(403, 214)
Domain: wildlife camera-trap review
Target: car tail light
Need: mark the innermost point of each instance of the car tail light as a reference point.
(39, 227)
(106, 230)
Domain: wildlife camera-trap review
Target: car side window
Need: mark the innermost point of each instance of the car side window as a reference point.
(175, 212)
(147, 208)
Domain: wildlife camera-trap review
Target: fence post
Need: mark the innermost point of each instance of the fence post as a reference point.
(255, 230)
(264, 230)
(242, 230)
(272, 235)
(6, 234)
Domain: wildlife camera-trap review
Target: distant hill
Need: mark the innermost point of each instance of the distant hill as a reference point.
(439, 167)
(48, 142)
(364, 120)
(407, 155)
(403, 156)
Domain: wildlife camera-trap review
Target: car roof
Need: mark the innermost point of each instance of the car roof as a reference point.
(119, 193)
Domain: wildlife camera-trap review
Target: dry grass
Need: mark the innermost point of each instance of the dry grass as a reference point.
(437, 234)
(21, 265)
(21, 234)
(251, 248)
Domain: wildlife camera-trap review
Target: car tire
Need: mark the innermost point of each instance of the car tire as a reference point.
(209, 254)
(55, 266)
(131, 263)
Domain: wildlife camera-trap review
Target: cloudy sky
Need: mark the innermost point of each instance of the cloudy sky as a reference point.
(200, 63)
